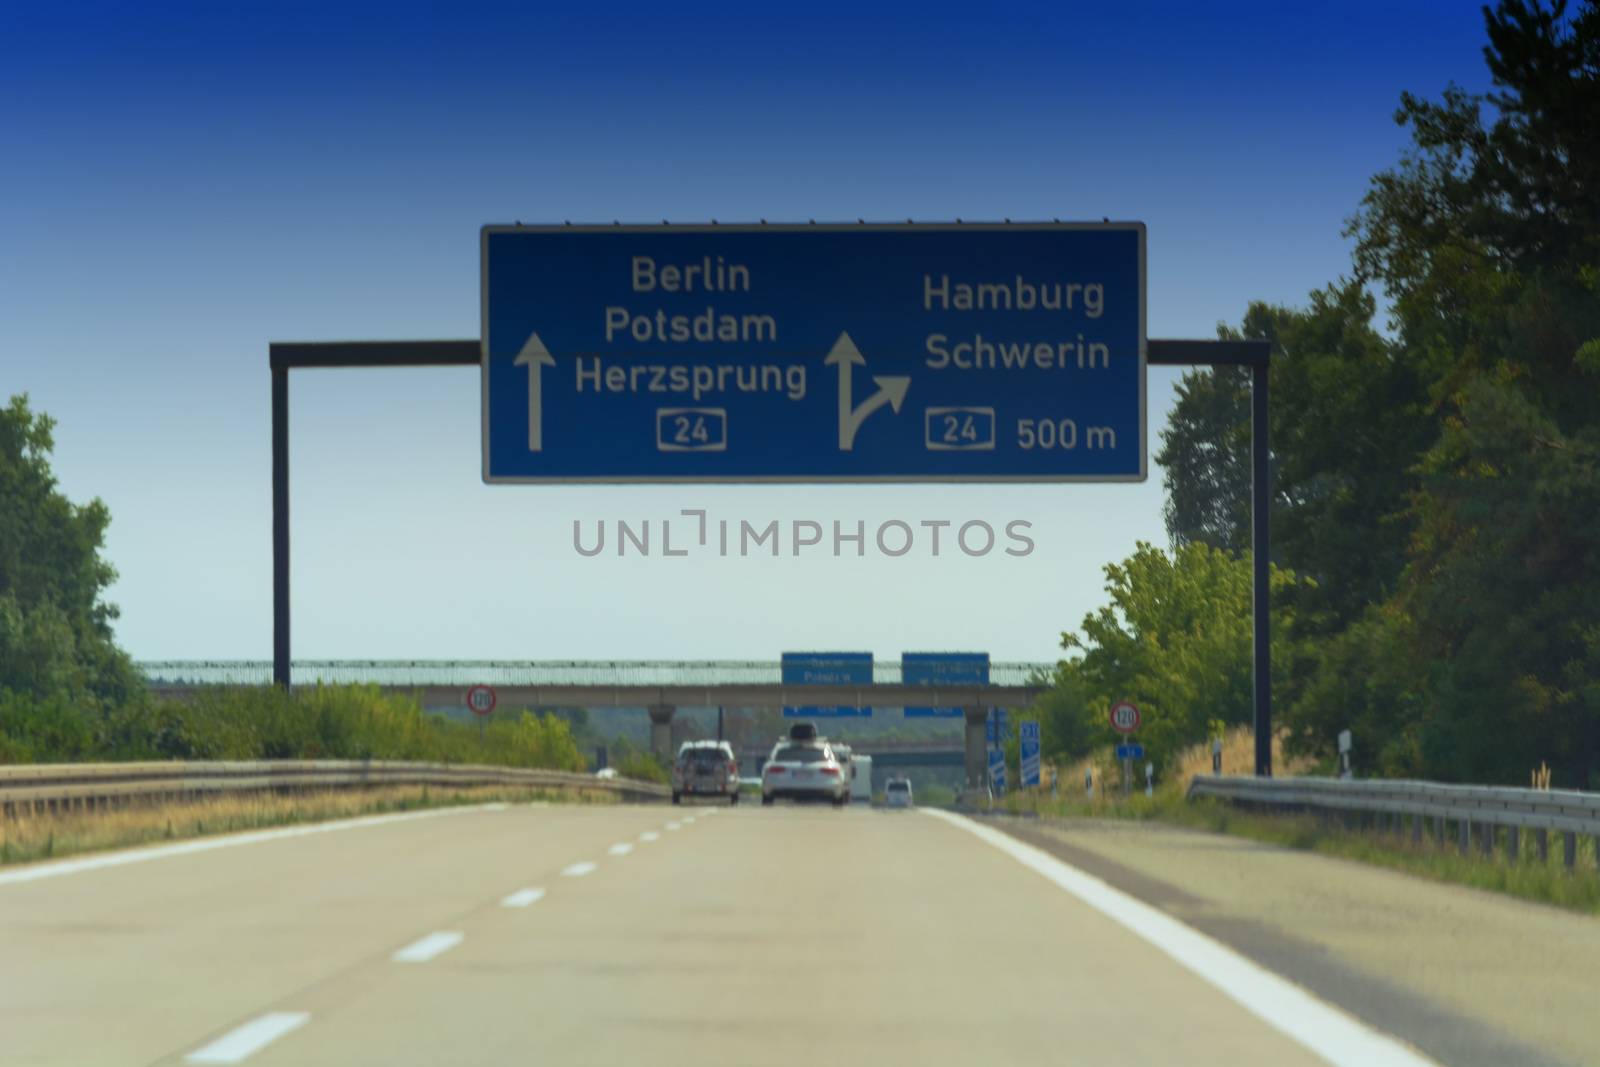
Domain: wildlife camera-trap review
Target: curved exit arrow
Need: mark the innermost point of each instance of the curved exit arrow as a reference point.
(891, 391)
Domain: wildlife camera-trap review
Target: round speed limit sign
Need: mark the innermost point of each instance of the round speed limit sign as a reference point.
(481, 699)
(1125, 717)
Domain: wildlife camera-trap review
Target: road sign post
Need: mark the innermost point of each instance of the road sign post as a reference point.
(997, 771)
(1028, 747)
(932, 353)
(481, 700)
(1127, 753)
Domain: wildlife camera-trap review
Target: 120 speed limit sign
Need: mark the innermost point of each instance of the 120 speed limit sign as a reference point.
(1125, 717)
(481, 699)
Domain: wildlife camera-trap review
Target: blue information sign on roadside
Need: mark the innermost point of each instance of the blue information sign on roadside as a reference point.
(1130, 752)
(958, 669)
(827, 668)
(997, 770)
(940, 353)
(1029, 753)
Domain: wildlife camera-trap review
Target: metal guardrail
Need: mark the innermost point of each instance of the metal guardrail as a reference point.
(1478, 812)
(31, 788)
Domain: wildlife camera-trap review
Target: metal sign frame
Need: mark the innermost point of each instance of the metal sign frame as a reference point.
(283, 357)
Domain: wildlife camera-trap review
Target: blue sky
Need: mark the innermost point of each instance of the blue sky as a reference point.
(181, 184)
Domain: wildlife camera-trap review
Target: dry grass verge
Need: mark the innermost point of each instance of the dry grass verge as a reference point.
(1238, 757)
(39, 837)
(1545, 881)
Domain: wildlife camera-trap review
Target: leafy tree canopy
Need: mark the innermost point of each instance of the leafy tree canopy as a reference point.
(55, 625)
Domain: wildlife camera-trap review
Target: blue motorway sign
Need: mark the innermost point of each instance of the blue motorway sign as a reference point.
(826, 668)
(941, 353)
(997, 770)
(942, 669)
(1029, 752)
(1130, 752)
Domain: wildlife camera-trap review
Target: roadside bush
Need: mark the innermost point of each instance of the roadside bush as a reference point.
(238, 723)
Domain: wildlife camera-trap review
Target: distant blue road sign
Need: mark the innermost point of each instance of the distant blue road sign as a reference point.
(997, 770)
(1029, 753)
(1130, 752)
(827, 668)
(940, 353)
(962, 669)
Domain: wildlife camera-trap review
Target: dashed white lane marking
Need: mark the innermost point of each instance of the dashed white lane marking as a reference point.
(578, 870)
(687, 819)
(35, 872)
(435, 944)
(672, 826)
(621, 848)
(1325, 1030)
(649, 835)
(241, 1042)
(522, 898)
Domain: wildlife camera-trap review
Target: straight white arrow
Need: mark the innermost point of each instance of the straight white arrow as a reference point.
(891, 391)
(536, 357)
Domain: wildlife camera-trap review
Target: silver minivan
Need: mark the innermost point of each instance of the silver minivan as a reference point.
(897, 793)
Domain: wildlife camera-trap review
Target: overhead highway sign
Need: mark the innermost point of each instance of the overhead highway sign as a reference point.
(946, 669)
(826, 668)
(933, 353)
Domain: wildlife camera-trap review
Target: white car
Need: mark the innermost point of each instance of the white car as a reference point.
(897, 793)
(805, 767)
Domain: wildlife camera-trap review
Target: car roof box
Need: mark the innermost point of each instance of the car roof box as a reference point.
(803, 731)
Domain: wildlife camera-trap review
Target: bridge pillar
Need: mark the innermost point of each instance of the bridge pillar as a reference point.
(661, 729)
(977, 748)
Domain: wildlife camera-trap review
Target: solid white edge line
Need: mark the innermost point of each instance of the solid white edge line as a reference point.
(522, 898)
(621, 848)
(1327, 1031)
(424, 949)
(578, 870)
(243, 1041)
(34, 873)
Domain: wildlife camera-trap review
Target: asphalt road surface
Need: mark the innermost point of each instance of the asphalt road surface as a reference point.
(609, 935)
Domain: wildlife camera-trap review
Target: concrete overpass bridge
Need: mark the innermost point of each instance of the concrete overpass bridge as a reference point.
(656, 687)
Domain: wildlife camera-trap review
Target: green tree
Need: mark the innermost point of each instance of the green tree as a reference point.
(1486, 238)
(1349, 421)
(1176, 639)
(56, 648)
(1440, 483)
(1206, 457)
